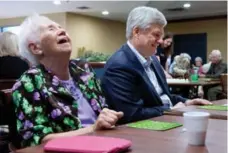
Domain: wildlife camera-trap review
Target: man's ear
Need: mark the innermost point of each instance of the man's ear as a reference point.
(136, 31)
(35, 49)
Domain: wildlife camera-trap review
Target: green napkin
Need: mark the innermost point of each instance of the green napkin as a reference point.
(215, 107)
(154, 125)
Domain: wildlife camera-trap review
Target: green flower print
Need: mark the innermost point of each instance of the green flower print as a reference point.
(36, 139)
(94, 95)
(75, 104)
(58, 128)
(38, 81)
(26, 78)
(46, 91)
(32, 144)
(88, 95)
(69, 122)
(40, 119)
(38, 127)
(39, 109)
(91, 84)
(29, 86)
(28, 110)
(25, 105)
(19, 125)
(16, 97)
(47, 130)
(98, 84)
(62, 90)
(83, 87)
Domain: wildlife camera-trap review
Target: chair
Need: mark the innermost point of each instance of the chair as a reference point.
(223, 79)
(98, 68)
(7, 83)
(4, 121)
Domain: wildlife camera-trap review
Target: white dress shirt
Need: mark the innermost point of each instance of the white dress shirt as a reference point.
(151, 75)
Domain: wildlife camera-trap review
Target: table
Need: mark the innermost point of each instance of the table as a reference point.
(214, 113)
(171, 141)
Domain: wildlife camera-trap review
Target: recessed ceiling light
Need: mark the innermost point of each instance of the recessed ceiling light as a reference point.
(57, 2)
(187, 5)
(105, 12)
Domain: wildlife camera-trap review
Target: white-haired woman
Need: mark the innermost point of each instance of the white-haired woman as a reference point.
(198, 65)
(182, 66)
(11, 65)
(56, 97)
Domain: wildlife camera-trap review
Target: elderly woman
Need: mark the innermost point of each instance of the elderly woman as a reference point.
(198, 65)
(11, 65)
(56, 98)
(182, 65)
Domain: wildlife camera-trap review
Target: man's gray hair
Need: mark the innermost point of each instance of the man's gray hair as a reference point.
(30, 32)
(217, 53)
(143, 17)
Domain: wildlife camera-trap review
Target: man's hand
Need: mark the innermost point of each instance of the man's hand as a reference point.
(197, 101)
(107, 119)
(179, 105)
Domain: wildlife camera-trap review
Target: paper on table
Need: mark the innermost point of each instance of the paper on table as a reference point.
(215, 107)
(154, 125)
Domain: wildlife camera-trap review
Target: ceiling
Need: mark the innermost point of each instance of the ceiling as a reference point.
(118, 9)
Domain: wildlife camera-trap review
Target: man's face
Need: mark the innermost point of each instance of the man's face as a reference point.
(149, 39)
(214, 58)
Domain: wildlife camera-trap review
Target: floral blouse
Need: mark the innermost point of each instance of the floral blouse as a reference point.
(44, 106)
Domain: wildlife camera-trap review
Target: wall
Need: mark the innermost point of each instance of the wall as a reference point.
(216, 32)
(95, 34)
(57, 17)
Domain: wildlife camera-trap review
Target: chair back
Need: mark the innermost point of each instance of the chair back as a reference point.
(98, 68)
(6, 83)
(223, 79)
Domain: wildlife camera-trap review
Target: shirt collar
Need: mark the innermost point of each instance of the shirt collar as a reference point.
(145, 62)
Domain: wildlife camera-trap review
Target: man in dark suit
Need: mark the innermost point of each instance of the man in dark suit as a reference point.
(134, 81)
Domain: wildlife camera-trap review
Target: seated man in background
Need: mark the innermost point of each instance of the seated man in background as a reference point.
(56, 97)
(134, 81)
(216, 69)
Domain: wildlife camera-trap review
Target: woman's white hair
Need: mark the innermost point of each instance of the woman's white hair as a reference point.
(185, 55)
(30, 32)
(8, 44)
(198, 59)
(143, 17)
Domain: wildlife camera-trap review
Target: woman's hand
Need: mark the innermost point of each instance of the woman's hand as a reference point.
(107, 119)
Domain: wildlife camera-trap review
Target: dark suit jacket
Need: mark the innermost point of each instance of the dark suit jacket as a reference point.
(12, 67)
(216, 70)
(127, 87)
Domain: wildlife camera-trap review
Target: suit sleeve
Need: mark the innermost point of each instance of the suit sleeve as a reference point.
(120, 88)
(223, 69)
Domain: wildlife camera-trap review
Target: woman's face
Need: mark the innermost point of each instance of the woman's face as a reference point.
(54, 41)
(167, 42)
(198, 63)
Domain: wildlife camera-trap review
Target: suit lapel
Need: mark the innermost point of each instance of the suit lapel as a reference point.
(158, 72)
(135, 63)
